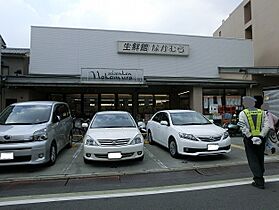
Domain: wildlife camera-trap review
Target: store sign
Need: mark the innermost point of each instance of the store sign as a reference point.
(112, 76)
(133, 47)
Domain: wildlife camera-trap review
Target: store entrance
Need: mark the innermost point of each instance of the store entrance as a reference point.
(86, 105)
(141, 105)
(121, 102)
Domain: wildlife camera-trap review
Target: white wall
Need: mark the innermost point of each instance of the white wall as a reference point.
(66, 51)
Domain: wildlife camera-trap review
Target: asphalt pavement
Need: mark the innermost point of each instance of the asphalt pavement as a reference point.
(212, 188)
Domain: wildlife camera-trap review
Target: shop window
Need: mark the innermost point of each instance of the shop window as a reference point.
(10, 101)
(107, 102)
(56, 97)
(125, 102)
(161, 102)
(184, 100)
(220, 104)
(74, 102)
(145, 107)
(90, 105)
(148, 104)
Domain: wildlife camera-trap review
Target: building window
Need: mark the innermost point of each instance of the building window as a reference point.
(247, 12)
(5, 71)
(248, 33)
(220, 33)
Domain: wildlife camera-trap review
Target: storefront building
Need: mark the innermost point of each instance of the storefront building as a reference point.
(96, 70)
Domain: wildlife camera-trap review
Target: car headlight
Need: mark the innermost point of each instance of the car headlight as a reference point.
(137, 140)
(226, 135)
(90, 141)
(40, 135)
(188, 136)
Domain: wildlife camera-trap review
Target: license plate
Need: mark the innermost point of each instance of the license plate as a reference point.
(7, 156)
(212, 147)
(114, 155)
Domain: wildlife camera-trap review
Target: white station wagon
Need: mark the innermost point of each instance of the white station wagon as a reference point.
(187, 132)
(112, 136)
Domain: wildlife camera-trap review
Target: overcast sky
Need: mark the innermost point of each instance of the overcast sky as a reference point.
(189, 17)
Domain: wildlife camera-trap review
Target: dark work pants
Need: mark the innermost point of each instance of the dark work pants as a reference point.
(255, 157)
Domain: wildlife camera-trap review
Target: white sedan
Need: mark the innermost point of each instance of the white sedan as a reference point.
(187, 132)
(112, 136)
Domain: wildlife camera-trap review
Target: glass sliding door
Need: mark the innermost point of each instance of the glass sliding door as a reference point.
(125, 103)
(90, 105)
(107, 102)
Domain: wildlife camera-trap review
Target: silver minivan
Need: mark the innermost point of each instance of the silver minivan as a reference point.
(34, 132)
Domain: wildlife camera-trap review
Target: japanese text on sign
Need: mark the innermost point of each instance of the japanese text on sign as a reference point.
(153, 48)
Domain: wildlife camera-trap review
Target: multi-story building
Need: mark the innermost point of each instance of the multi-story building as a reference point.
(14, 63)
(256, 20)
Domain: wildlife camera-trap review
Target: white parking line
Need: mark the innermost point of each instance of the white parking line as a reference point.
(238, 146)
(73, 159)
(162, 165)
(120, 193)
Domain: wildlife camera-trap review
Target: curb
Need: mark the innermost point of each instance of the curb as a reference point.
(67, 177)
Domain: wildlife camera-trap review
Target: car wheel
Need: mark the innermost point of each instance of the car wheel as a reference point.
(173, 148)
(52, 154)
(149, 137)
(70, 144)
(86, 161)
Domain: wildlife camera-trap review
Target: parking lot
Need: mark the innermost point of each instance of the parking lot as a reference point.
(70, 164)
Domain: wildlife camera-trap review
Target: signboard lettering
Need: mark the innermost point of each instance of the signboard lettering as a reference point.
(133, 47)
(102, 75)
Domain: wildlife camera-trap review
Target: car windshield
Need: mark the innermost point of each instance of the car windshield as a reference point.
(188, 118)
(113, 121)
(25, 115)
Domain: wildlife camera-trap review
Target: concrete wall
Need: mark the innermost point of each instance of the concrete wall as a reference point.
(66, 51)
(196, 99)
(266, 32)
(15, 93)
(15, 63)
(236, 76)
(233, 26)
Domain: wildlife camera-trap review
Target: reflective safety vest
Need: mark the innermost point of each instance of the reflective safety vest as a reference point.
(255, 130)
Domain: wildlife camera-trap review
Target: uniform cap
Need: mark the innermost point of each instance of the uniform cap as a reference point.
(248, 99)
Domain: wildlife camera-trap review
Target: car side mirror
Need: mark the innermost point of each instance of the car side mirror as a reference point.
(164, 123)
(84, 125)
